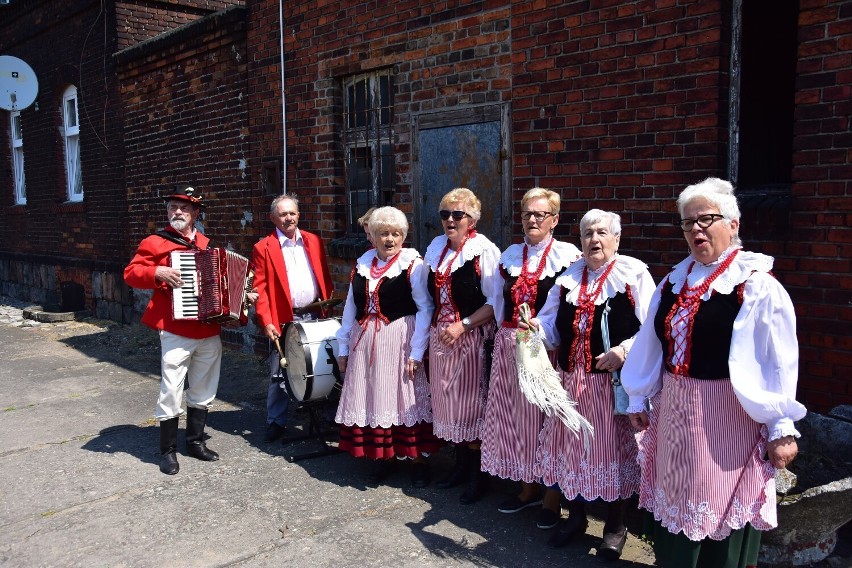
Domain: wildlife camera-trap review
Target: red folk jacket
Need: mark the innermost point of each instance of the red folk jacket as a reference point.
(154, 251)
(274, 304)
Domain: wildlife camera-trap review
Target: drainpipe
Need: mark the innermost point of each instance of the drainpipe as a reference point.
(283, 99)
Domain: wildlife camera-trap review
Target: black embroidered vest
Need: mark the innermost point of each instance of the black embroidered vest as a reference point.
(543, 286)
(395, 298)
(710, 344)
(465, 289)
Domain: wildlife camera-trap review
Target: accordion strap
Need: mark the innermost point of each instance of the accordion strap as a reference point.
(169, 236)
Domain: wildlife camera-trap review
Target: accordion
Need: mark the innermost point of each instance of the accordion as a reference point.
(215, 284)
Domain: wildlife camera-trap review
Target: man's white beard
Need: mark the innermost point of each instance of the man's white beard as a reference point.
(179, 224)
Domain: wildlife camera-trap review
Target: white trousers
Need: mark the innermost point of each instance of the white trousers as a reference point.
(196, 360)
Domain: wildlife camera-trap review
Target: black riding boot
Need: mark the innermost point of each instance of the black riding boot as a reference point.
(168, 446)
(460, 471)
(195, 420)
(477, 481)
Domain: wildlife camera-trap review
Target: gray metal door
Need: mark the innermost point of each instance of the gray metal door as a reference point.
(462, 149)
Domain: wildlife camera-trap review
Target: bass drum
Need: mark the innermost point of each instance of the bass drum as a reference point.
(310, 348)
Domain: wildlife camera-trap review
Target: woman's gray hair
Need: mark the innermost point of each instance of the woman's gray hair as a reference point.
(593, 216)
(388, 218)
(717, 192)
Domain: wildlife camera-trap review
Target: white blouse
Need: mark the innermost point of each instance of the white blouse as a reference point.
(419, 292)
(559, 258)
(764, 356)
(627, 271)
(479, 245)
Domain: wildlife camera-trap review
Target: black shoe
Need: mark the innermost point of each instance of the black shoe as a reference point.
(169, 464)
(612, 545)
(477, 486)
(420, 474)
(380, 472)
(547, 519)
(567, 531)
(273, 432)
(459, 473)
(514, 504)
(200, 451)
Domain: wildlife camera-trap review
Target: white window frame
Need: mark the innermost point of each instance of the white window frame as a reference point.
(71, 137)
(18, 157)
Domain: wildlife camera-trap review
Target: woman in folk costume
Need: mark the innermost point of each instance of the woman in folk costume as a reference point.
(512, 423)
(463, 268)
(718, 358)
(384, 405)
(600, 300)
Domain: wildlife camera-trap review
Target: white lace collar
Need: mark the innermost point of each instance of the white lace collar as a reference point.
(472, 248)
(738, 272)
(406, 257)
(625, 272)
(561, 255)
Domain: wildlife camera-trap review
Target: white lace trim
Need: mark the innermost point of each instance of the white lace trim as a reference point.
(741, 268)
(472, 248)
(625, 273)
(561, 256)
(406, 257)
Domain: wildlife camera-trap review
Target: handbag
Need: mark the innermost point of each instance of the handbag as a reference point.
(619, 396)
(540, 382)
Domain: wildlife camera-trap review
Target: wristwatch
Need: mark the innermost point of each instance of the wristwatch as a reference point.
(466, 323)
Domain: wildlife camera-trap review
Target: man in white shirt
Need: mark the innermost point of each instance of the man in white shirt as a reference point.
(291, 271)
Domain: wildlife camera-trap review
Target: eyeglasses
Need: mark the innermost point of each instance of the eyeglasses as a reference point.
(539, 216)
(702, 221)
(456, 215)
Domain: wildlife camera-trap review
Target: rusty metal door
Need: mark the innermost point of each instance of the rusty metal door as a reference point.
(462, 149)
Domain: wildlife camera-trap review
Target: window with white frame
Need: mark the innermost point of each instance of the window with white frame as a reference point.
(71, 133)
(368, 142)
(18, 158)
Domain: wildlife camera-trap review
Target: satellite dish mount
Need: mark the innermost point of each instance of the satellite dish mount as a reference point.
(18, 84)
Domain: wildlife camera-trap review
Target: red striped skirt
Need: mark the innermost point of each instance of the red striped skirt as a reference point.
(388, 443)
(702, 468)
(458, 383)
(377, 391)
(512, 424)
(609, 471)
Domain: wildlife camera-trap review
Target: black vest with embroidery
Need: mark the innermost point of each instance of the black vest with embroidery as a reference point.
(622, 320)
(543, 286)
(710, 343)
(395, 298)
(465, 289)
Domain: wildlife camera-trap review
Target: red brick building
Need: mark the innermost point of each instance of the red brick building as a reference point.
(617, 105)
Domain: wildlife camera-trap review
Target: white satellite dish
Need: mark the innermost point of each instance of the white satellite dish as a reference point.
(18, 84)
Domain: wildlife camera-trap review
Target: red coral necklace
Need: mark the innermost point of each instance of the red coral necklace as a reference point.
(586, 307)
(525, 288)
(376, 272)
(689, 299)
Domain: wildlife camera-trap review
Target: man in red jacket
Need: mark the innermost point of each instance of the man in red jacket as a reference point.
(290, 271)
(191, 350)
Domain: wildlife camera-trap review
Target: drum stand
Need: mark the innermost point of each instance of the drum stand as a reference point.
(315, 431)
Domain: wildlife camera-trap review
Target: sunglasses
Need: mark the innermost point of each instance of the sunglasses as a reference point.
(456, 215)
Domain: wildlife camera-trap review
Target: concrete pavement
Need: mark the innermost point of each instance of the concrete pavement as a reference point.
(80, 484)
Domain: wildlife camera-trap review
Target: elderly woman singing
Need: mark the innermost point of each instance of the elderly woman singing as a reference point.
(593, 312)
(718, 358)
(512, 423)
(384, 406)
(462, 281)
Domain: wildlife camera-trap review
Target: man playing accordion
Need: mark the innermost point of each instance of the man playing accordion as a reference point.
(191, 349)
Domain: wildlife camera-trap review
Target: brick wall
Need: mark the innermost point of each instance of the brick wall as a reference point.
(140, 20)
(815, 264)
(48, 231)
(185, 104)
(619, 105)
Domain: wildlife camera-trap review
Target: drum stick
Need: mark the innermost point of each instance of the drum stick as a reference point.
(283, 360)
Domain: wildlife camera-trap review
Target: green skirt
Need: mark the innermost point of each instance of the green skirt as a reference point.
(739, 550)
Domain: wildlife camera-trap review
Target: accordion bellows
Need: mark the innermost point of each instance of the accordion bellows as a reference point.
(215, 283)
